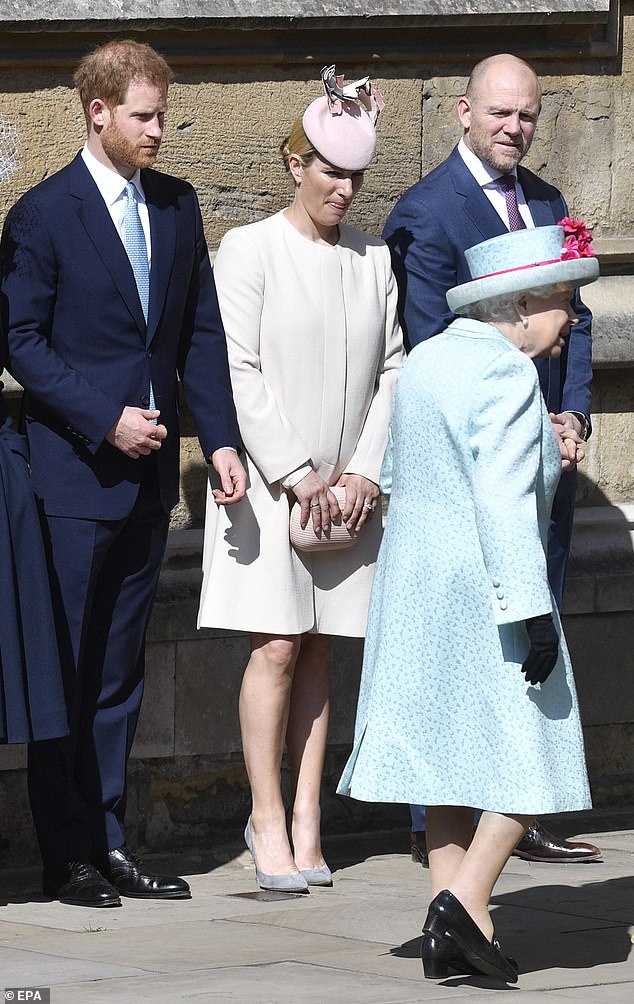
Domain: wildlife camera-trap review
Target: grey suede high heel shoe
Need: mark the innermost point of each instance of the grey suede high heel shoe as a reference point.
(318, 876)
(294, 882)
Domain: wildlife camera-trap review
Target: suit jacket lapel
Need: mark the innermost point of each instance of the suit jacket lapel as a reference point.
(541, 208)
(93, 214)
(474, 202)
(163, 238)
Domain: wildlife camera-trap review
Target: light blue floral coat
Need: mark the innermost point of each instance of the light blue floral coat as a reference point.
(445, 715)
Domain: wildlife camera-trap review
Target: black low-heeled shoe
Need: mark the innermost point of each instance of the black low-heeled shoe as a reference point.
(447, 916)
(442, 957)
(439, 955)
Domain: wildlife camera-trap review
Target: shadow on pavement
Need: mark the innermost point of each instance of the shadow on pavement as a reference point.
(558, 927)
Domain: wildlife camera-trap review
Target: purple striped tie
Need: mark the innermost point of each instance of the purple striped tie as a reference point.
(507, 185)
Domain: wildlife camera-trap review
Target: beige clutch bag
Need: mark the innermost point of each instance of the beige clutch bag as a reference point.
(307, 540)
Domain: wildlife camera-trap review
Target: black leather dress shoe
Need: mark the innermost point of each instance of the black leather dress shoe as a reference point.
(538, 844)
(448, 917)
(79, 884)
(127, 874)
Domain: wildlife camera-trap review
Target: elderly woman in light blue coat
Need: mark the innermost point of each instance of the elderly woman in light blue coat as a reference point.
(467, 697)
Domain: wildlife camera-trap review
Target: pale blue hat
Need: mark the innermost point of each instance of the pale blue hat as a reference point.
(517, 261)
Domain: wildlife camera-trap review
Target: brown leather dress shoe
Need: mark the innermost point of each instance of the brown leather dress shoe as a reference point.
(418, 847)
(538, 844)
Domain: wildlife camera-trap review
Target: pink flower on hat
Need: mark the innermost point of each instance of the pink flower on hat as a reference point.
(578, 239)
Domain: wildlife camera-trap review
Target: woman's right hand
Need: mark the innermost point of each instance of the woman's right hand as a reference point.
(316, 501)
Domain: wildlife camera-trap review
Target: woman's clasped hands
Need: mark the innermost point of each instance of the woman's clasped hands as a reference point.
(319, 503)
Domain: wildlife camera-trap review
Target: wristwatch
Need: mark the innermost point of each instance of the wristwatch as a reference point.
(586, 426)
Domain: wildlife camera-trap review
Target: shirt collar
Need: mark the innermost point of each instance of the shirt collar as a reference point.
(109, 182)
(483, 174)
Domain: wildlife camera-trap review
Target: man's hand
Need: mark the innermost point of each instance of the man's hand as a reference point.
(568, 430)
(233, 476)
(135, 434)
(361, 500)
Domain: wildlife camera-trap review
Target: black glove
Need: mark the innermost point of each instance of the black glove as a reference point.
(542, 655)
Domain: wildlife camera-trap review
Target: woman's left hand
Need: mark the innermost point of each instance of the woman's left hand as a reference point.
(361, 500)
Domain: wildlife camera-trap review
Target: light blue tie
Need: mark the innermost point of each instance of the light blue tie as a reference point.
(133, 238)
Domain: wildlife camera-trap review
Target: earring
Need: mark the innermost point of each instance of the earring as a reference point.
(525, 323)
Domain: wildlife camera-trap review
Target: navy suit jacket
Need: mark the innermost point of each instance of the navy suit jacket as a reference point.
(429, 230)
(4, 359)
(79, 344)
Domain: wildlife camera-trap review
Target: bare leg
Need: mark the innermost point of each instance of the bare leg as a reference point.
(306, 736)
(470, 868)
(449, 833)
(264, 707)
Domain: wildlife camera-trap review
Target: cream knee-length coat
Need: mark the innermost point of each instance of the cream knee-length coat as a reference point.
(315, 350)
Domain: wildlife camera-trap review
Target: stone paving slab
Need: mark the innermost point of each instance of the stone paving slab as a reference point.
(28, 968)
(290, 983)
(568, 927)
(615, 994)
(186, 947)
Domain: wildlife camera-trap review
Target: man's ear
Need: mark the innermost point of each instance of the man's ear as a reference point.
(463, 107)
(99, 113)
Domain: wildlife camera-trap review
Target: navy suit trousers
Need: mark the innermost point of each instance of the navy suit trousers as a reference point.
(104, 576)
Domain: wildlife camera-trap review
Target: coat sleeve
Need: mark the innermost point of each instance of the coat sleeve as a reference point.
(29, 286)
(203, 364)
(505, 434)
(577, 394)
(269, 438)
(370, 449)
(425, 268)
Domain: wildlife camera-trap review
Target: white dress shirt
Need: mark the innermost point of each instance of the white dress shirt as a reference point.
(487, 178)
(111, 187)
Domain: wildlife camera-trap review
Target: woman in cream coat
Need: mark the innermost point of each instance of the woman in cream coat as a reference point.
(309, 308)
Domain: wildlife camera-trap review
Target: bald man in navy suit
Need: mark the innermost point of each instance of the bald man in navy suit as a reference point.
(459, 204)
(110, 298)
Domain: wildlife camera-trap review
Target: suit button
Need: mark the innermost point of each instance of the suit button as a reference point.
(145, 401)
(503, 605)
(495, 583)
(500, 594)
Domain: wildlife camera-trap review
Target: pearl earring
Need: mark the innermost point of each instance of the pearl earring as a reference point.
(525, 323)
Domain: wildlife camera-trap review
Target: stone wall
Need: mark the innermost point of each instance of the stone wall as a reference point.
(239, 84)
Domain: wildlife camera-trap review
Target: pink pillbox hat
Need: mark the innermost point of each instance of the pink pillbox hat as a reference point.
(340, 124)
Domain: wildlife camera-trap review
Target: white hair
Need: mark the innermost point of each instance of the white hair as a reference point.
(502, 308)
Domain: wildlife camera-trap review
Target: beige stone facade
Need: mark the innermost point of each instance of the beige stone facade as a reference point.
(238, 86)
